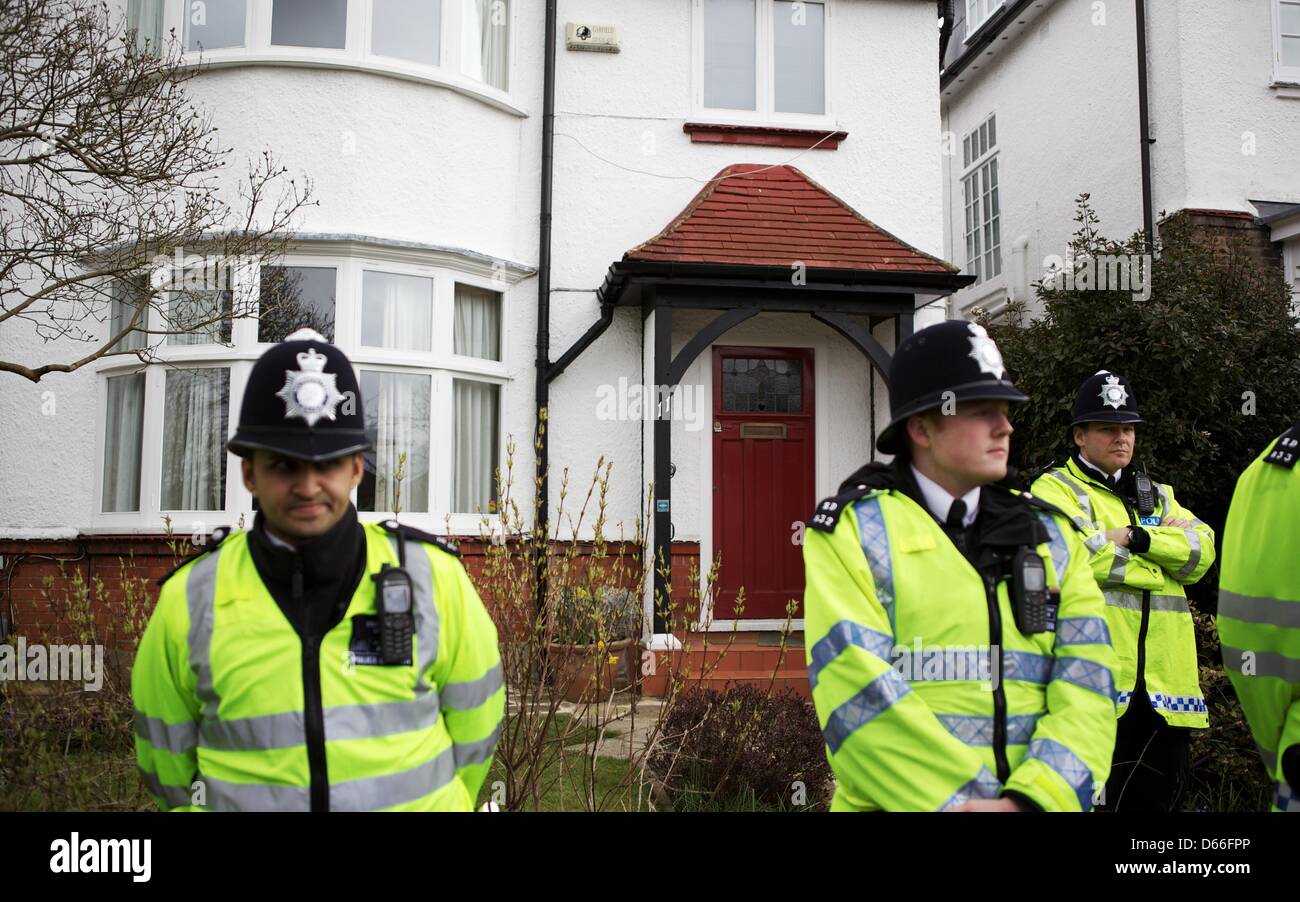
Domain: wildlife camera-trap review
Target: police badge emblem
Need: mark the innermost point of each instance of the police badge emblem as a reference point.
(310, 392)
(1112, 393)
(984, 352)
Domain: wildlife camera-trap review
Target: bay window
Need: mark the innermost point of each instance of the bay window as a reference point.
(425, 333)
(463, 43)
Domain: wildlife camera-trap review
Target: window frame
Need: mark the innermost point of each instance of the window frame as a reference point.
(764, 73)
(1282, 74)
(356, 53)
(349, 260)
(973, 26)
(976, 168)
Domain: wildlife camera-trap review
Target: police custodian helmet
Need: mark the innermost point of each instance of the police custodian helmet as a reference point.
(302, 400)
(1105, 398)
(952, 356)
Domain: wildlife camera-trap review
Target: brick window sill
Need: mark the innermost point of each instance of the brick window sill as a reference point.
(764, 136)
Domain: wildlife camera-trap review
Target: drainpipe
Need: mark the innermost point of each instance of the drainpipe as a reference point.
(1144, 126)
(544, 299)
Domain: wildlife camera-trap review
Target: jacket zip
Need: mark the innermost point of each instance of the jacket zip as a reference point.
(999, 694)
(1140, 679)
(313, 712)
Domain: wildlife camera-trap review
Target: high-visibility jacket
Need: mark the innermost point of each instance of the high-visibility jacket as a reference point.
(896, 616)
(234, 711)
(1259, 608)
(1146, 606)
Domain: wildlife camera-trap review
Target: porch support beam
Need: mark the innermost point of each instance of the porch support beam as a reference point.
(718, 327)
(861, 338)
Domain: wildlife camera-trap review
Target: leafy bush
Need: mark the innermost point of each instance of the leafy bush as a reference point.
(743, 749)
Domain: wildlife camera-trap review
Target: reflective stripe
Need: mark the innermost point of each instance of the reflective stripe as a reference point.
(1086, 674)
(1286, 799)
(1265, 663)
(875, 544)
(1194, 558)
(388, 790)
(200, 592)
(841, 636)
(941, 664)
(1027, 667)
(1095, 542)
(342, 722)
(426, 610)
(1166, 508)
(1066, 763)
(976, 730)
(467, 753)
(1057, 545)
(983, 786)
(470, 694)
(1176, 704)
(172, 796)
(1082, 631)
(1279, 612)
(1084, 501)
(1119, 565)
(366, 794)
(177, 738)
(879, 695)
(1130, 601)
(221, 795)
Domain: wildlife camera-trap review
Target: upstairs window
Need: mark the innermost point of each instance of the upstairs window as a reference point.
(980, 196)
(766, 57)
(978, 12)
(1286, 41)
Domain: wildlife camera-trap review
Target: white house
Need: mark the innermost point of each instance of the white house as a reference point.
(746, 202)
(1042, 101)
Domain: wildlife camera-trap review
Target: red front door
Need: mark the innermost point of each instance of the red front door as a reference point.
(763, 477)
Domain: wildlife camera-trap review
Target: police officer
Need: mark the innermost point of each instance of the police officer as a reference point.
(1144, 547)
(315, 662)
(1259, 608)
(957, 648)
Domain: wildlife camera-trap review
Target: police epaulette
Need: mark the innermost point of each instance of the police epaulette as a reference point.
(1286, 451)
(419, 535)
(1034, 501)
(219, 535)
(829, 510)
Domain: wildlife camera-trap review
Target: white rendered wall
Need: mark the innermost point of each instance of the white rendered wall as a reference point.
(414, 162)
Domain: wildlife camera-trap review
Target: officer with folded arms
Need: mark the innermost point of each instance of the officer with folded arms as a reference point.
(315, 662)
(957, 646)
(1143, 547)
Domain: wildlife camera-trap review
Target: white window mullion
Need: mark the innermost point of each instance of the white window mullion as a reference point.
(453, 23)
(764, 58)
(442, 455)
(238, 499)
(151, 452)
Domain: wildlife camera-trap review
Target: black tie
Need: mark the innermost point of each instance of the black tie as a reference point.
(956, 514)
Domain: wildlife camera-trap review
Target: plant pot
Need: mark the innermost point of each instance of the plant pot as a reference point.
(587, 673)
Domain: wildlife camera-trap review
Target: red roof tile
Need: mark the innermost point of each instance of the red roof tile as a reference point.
(777, 216)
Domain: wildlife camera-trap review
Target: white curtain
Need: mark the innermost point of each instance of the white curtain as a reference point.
(123, 431)
(477, 405)
(194, 436)
(401, 404)
(397, 311)
(146, 17)
(478, 323)
(485, 41)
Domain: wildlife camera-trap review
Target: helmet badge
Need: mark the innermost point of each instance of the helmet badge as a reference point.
(310, 392)
(1113, 394)
(984, 352)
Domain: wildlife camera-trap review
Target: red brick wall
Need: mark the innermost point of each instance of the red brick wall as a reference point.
(1221, 229)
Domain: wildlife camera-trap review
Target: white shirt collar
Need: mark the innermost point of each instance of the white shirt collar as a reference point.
(1109, 474)
(939, 501)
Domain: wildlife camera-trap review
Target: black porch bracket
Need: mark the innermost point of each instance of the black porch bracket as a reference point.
(860, 337)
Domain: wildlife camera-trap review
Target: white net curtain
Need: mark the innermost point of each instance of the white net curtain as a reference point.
(194, 437)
